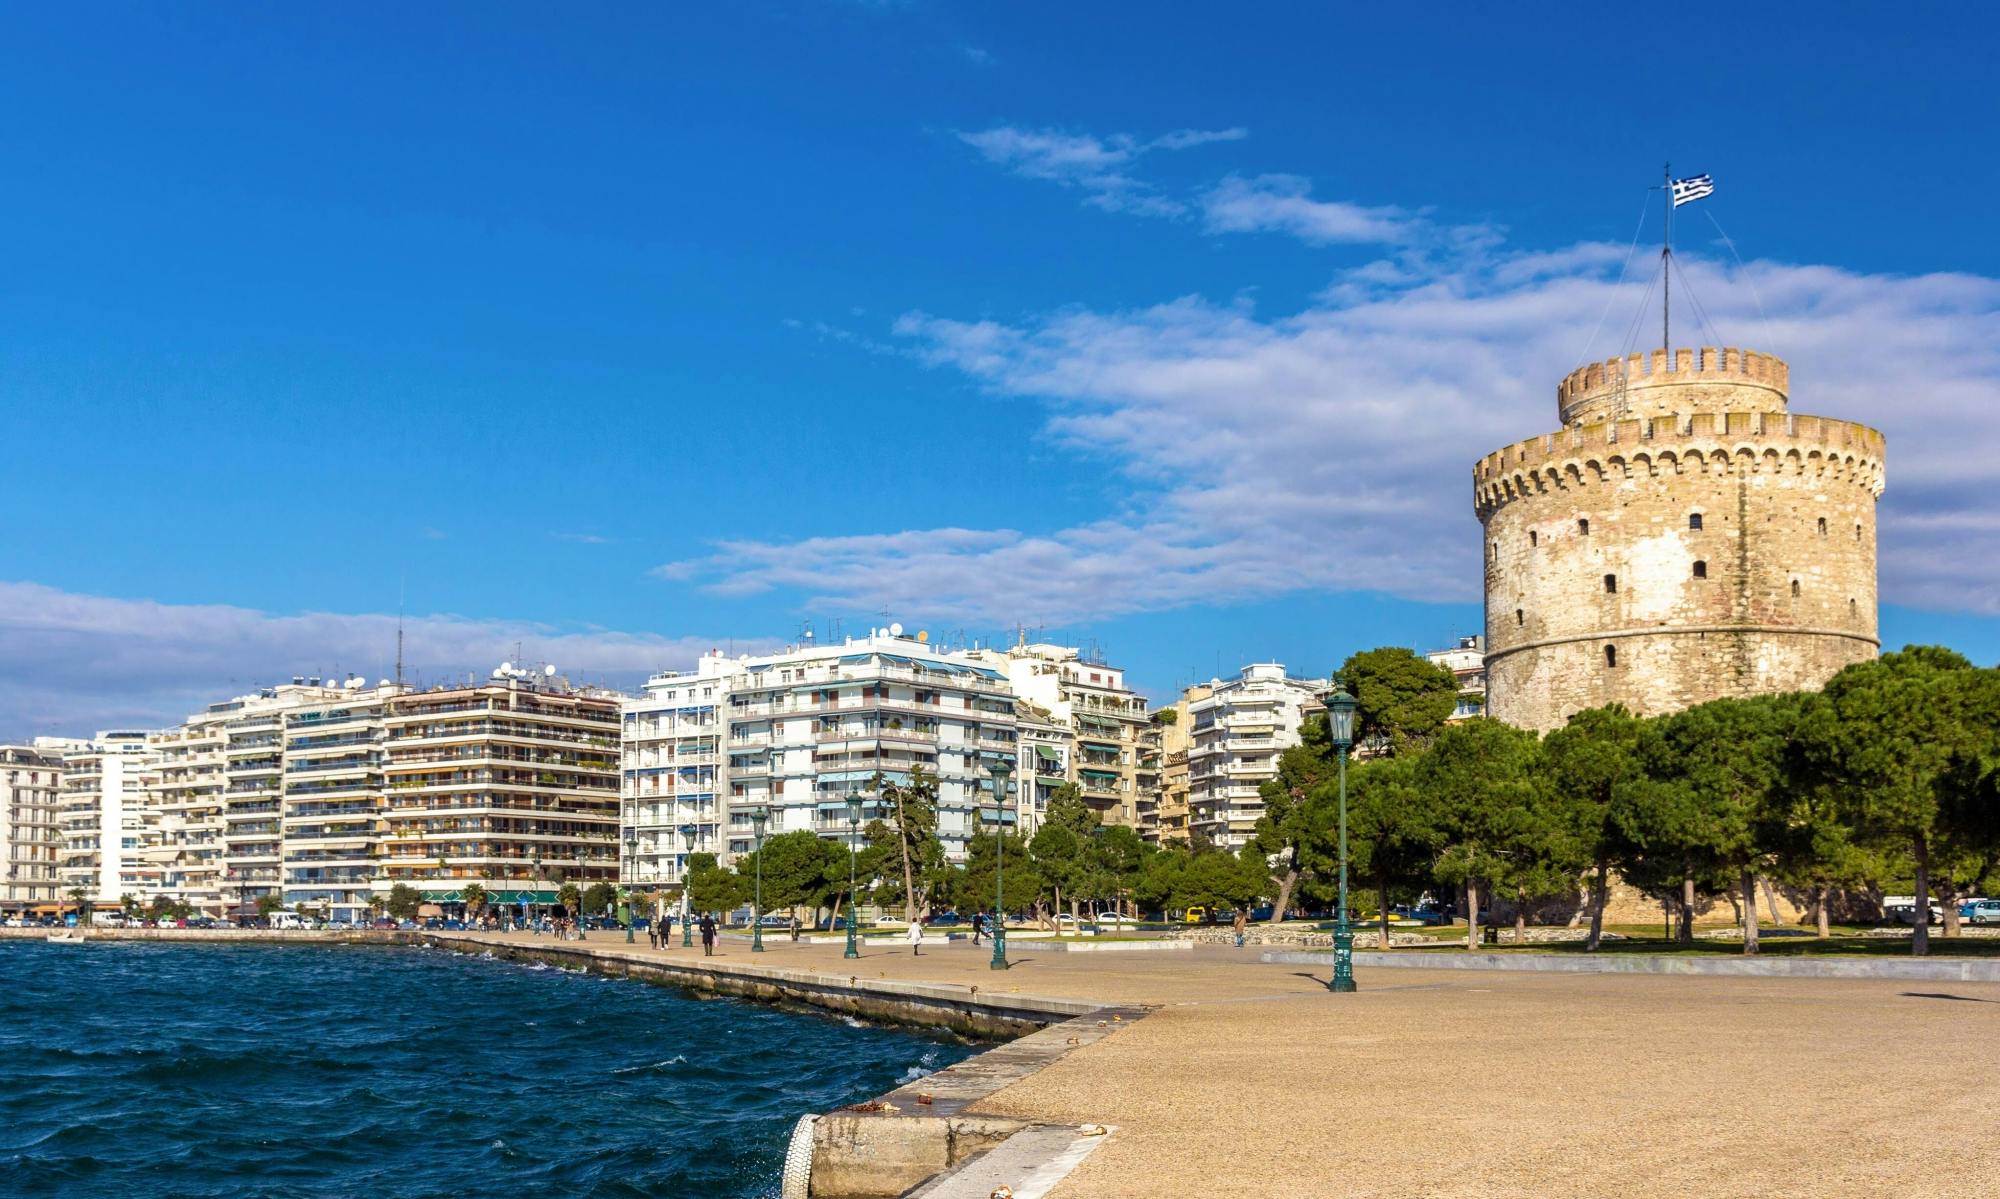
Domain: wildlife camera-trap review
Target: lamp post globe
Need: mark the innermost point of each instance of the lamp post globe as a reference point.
(1000, 768)
(1340, 709)
(853, 832)
(688, 834)
(758, 817)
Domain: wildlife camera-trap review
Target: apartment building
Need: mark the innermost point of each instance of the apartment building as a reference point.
(105, 820)
(1116, 757)
(511, 784)
(253, 771)
(1467, 660)
(1048, 760)
(331, 798)
(1236, 734)
(30, 837)
(798, 732)
(1176, 725)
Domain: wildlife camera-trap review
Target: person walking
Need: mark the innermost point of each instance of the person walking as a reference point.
(795, 926)
(978, 926)
(707, 935)
(916, 938)
(1242, 927)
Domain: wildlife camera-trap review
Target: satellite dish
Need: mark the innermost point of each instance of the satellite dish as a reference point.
(896, 630)
(505, 667)
(550, 670)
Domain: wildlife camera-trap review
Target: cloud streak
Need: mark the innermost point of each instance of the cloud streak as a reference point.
(73, 663)
(1100, 167)
(1331, 448)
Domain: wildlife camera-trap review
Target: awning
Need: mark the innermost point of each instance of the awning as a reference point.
(1046, 754)
(1109, 747)
(1100, 774)
(515, 897)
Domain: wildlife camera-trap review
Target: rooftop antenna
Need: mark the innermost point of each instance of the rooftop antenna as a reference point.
(402, 589)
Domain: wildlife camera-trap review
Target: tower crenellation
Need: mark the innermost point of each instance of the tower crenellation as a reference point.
(1701, 378)
(1684, 536)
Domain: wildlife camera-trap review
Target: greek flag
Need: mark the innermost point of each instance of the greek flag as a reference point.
(1695, 188)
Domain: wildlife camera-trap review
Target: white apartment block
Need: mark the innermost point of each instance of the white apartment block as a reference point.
(1114, 746)
(106, 822)
(1236, 734)
(30, 781)
(797, 733)
(1467, 661)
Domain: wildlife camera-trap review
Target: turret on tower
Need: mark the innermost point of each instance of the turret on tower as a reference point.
(1685, 536)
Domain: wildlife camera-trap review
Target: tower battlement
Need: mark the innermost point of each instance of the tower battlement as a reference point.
(1705, 378)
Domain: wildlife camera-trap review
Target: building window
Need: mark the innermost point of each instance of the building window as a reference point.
(1611, 656)
(1583, 527)
(1611, 584)
(1518, 622)
(1532, 539)
(1694, 521)
(1701, 570)
(1857, 530)
(1822, 526)
(1795, 589)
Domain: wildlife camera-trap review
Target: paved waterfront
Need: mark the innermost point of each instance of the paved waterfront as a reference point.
(1250, 1079)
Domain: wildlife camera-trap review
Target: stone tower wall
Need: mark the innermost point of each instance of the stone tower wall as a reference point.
(1785, 592)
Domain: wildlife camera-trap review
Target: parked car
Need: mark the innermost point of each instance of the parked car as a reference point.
(1903, 909)
(1115, 918)
(1195, 916)
(1981, 911)
(938, 919)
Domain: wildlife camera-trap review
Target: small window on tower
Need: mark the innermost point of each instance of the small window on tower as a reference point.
(1583, 527)
(1822, 526)
(1611, 584)
(1694, 521)
(1611, 656)
(1701, 570)
(1531, 537)
(1857, 530)
(1519, 620)
(1795, 588)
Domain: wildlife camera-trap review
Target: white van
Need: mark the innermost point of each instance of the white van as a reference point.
(287, 920)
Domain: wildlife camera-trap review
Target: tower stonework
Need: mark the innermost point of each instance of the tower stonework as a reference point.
(1684, 537)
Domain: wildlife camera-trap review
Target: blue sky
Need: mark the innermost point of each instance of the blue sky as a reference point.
(625, 332)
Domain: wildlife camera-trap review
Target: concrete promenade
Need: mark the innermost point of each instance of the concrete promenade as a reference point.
(1248, 1078)
(1235, 1076)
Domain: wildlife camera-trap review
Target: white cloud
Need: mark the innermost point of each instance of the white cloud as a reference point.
(1098, 166)
(1331, 448)
(1284, 204)
(72, 663)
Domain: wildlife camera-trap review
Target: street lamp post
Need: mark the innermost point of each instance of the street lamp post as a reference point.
(1001, 768)
(580, 917)
(625, 892)
(853, 832)
(1340, 708)
(688, 832)
(537, 888)
(758, 816)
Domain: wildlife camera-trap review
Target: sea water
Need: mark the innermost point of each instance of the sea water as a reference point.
(239, 1071)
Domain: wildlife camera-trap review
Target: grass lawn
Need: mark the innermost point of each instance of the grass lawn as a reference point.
(1845, 942)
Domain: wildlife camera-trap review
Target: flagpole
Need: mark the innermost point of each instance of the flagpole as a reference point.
(1667, 265)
